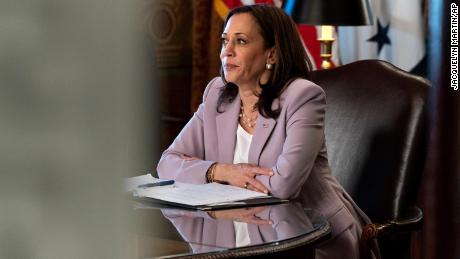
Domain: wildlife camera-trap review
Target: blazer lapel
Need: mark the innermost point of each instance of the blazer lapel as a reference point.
(264, 127)
(227, 123)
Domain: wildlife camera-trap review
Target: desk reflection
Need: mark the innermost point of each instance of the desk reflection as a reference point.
(202, 231)
(198, 232)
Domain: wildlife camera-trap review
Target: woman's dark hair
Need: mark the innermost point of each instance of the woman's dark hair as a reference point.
(278, 31)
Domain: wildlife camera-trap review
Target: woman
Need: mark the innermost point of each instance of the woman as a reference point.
(261, 124)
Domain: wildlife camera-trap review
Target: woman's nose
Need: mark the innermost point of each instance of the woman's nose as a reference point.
(228, 49)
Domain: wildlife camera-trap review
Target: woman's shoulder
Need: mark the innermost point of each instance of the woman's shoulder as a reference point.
(213, 88)
(217, 83)
(301, 89)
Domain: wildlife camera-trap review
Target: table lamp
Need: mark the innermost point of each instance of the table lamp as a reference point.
(329, 13)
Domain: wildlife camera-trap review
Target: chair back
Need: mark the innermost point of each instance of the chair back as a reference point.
(375, 134)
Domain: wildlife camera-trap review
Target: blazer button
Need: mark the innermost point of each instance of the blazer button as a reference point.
(265, 125)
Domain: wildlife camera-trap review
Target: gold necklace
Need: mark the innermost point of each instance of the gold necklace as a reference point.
(250, 122)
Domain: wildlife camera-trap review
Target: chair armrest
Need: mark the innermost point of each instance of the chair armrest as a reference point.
(412, 220)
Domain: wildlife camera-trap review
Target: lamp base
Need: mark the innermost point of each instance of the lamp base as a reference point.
(326, 53)
(326, 64)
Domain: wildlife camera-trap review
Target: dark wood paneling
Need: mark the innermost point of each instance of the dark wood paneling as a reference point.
(170, 27)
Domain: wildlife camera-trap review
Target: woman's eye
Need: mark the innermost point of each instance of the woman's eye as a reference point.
(224, 41)
(241, 41)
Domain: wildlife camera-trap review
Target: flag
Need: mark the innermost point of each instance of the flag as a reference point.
(396, 36)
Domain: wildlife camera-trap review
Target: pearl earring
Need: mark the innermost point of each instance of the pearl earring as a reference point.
(269, 66)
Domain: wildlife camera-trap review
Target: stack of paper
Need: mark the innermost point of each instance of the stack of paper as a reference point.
(198, 196)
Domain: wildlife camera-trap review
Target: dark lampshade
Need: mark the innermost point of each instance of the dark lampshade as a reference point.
(331, 12)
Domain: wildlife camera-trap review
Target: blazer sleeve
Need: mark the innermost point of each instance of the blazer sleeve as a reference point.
(190, 142)
(304, 140)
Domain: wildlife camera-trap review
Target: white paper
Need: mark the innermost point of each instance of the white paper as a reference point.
(199, 194)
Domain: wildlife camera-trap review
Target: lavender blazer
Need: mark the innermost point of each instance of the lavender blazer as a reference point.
(293, 146)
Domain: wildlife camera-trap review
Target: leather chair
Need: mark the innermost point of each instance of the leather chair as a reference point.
(376, 142)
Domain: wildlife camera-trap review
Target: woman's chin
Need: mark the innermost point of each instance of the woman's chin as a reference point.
(230, 79)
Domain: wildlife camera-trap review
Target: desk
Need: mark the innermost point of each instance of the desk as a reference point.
(174, 233)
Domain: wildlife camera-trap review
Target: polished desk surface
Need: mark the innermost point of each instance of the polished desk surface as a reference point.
(174, 233)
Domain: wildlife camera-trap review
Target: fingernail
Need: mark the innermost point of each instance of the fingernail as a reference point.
(271, 173)
(266, 191)
(271, 222)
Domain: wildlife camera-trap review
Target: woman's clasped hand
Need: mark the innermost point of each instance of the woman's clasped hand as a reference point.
(243, 175)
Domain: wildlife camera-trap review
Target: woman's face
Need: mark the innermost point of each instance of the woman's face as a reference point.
(243, 53)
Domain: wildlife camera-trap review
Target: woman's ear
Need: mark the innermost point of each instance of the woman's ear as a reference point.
(271, 60)
(272, 57)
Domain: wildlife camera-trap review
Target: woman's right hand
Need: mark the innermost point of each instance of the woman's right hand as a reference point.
(242, 175)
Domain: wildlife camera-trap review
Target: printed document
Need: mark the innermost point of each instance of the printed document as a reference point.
(210, 194)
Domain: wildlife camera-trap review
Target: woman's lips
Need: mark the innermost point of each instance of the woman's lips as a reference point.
(230, 66)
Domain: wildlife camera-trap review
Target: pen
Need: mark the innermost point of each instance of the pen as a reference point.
(160, 183)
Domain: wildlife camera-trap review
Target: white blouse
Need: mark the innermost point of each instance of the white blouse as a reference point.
(243, 142)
